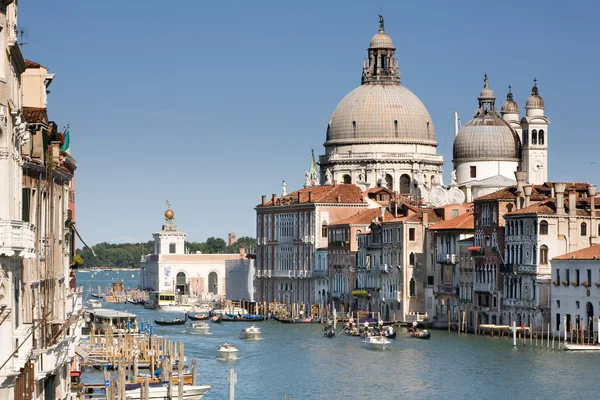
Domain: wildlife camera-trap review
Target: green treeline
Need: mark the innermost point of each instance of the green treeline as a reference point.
(128, 255)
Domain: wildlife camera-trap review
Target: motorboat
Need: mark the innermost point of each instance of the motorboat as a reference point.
(93, 303)
(251, 333)
(419, 334)
(101, 319)
(161, 391)
(228, 351)
(376, 342)
(199, 327)
(216, 318)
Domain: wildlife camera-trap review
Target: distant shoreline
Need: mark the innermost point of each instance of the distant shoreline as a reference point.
(109, 269)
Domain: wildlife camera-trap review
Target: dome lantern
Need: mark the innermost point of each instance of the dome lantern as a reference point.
(381, 66)
(510, 106)
(535, 101)
(487, 100)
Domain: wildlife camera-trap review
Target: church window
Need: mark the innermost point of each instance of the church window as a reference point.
(324, 229)
(544, 255)
(347, 179)
(411, 259)
(354, 127)
(473, 171)
(412, 287)
(405, 184)
(541, 137)
(172, 248)
(583, 231)
(534, 137)
(543, 228)
(396, 125)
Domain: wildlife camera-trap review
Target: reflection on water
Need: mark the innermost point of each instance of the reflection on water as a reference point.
(298, 360)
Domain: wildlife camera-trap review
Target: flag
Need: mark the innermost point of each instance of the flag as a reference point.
(67, 142)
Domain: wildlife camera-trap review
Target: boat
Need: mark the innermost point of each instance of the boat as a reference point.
(580, 347)
(167, 302)
(230, 311)
(161, 391)
(419, 334)
(330, 333)
(390, 333)
(330, 329)
(176, 321)
(136, 302)
(216, 318)
(93, 303)
(228, 351)
(251, 333)
(198, 317)
(119, 321)
(199, 327)
(376, 342)
(241, 318)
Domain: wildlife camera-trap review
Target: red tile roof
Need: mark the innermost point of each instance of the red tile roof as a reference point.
(540, 192)
(364, 217)
(548, 207)
(35, 115)
(589, 253)
(322, 194)
(33, 64)
(462, 222)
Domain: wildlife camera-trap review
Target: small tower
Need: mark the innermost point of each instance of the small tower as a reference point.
(169, 240)
(382, 65)
(510, 113)
(535, 138)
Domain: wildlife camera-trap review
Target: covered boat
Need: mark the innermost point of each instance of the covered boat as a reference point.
(228, 351)
(199, 327)
(251, 333)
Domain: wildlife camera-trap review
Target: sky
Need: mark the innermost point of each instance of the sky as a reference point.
(211, 104)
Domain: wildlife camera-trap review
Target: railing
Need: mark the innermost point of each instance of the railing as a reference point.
(17, 237)
(377, 156)
(282, 273)
(518, 303)
(483, 287)
(446, 258)
(320, 273)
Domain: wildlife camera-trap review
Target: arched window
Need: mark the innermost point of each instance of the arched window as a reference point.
(389, 181)
(405, 184)
(525, 136)
(534, 137)
(354, 127)
(324, 229)
(213, 283)
(544, 255)
(543, 228)
(412, 288)
(583, 231)
(411, 259)
(347, 179)
(541, 137)
(181, 283)
(520, 227)
(598, 229)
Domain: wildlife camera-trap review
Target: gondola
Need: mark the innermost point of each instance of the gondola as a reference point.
(198, 317)
(216, 319)
(390, 335)
(424, 334)
(176, 321)
(329, 333)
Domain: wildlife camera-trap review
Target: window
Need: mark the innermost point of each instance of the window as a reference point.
(405, 184)
(411, 234)
(558, 321)
(430, 280)
(583, 231)
(557, 275)
(557, 303)
(454, 213)
(534, 137)
(543, 227)
(25, 203)
(541, 137)
(473, 170)
(495, 302)
(411, 259)
(577, 305)
(589, 276)
(577, 276)
(568, 275)
(172, 248)
(412, 287)
(544, 255)
(324, 229)
(347, 179)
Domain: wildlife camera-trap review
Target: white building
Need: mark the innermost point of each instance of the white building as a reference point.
(170, 269)
(490, 148)
(576, 291)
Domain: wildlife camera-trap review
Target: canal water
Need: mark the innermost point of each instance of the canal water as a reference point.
(298, 360)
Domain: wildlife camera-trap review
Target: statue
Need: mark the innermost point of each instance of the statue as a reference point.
(21, 132)
(381, 23)
(362, 175)
(453, 177)
(307, 179)
(382, 180)
(328, 176)
(283, 189)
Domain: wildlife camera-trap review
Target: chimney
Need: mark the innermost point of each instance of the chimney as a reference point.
(592, 194)
(299, 197)
(572, 202)
(264, 200)
(521, 177)
(382, 213)
(55, 148)
(310, 196)
(425, 218)
(528, 189)
(339, 198)
(274, 198)
(559, 189)
(242, 252)
(334, 182)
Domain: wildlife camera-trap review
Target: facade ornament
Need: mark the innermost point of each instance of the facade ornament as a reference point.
(382, 180)
(362, 175)
(328, 176)
(381, 23)
(283, 189)
(453, 178)
(21, 132)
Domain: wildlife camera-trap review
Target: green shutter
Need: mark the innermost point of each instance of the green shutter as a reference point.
(26, 201)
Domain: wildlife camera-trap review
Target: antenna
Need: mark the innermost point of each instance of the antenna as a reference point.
(23, 34)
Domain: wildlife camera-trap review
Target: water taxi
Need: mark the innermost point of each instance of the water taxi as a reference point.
(376, 342)
(167, 302)
(93, 303)
(251, 333)
(102, 319)
(228, 351)
(199, 327)
(161, 391)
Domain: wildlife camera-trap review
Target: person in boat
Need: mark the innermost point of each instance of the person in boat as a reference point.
(390, 330)
(351, 322)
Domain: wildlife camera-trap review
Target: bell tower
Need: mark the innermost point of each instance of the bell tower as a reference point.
(534, 159)
(381, 65)
(169, 240)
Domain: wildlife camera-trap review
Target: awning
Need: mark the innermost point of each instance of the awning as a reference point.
(474, 248)
(75, 374)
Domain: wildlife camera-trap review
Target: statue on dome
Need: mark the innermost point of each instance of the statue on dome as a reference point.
(381, 23)
(306, 179)
(328, 176)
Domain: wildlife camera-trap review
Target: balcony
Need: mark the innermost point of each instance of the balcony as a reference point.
(408, 157)
(17, 238)
(507, 268)
(520, 303)
(483, 287)
(282, 273)
(320, 273)
(448, 290)
(301, 273)
(446, 258)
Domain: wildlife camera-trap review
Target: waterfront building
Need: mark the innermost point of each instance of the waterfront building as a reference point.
(443, 270)
(289, 231)
(381, 134)
(535, 233)
(466, 280)
(489, 244)
(491, 147)
(171, 269)
(575, 298)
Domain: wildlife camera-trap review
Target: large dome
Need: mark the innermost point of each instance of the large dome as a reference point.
(380, 113)
(487, 137)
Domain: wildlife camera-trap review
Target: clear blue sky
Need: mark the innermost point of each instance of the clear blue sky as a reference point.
(211, 104)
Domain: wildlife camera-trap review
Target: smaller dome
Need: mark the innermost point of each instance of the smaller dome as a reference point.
(381, 40)
(486, 93)
(534, 101)
(487, 138)
(510, 106)
(169, 214)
